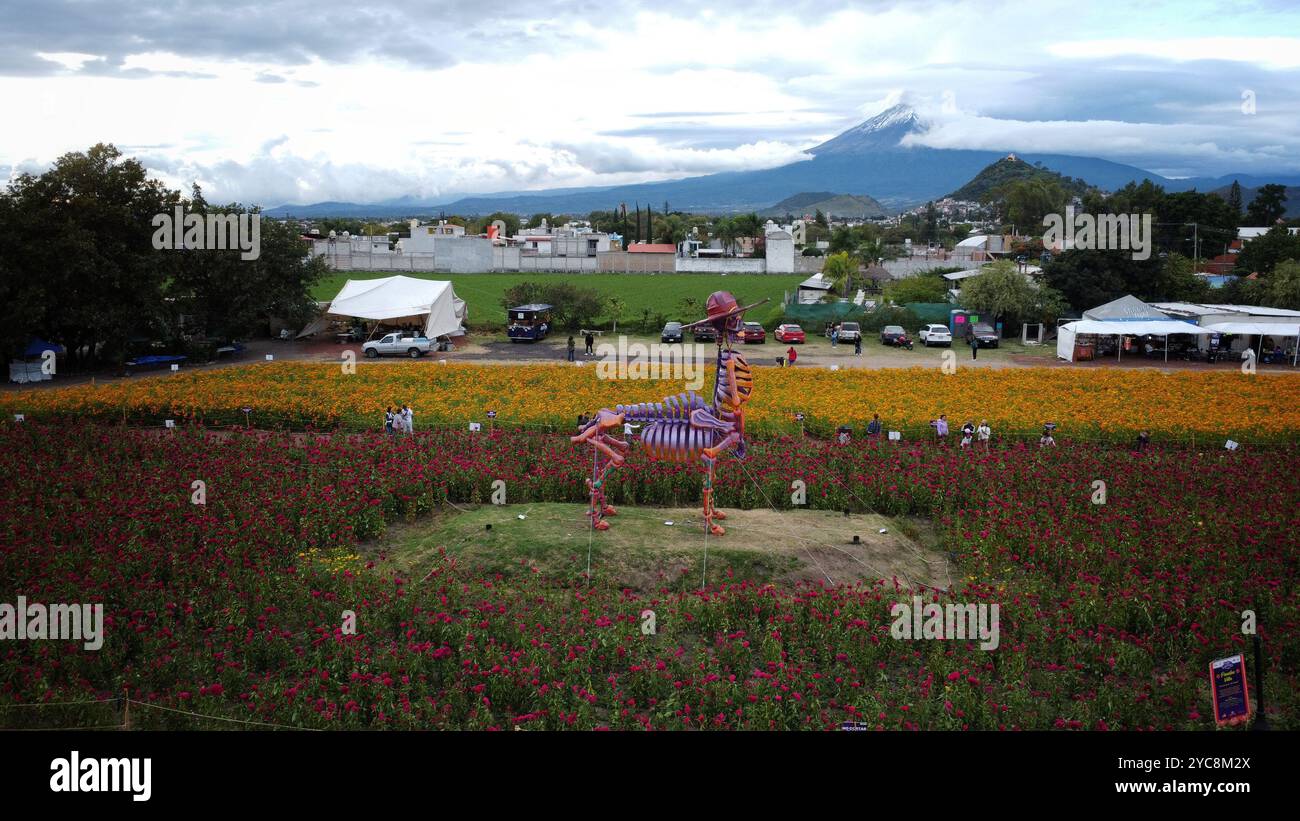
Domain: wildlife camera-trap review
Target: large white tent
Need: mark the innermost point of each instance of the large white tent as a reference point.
(1261, 330)
(397, 300)
(1121, 327)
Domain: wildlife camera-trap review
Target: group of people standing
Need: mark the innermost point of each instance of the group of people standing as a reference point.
(970, 432)
(399, 421)
(588, 338)
(835, 339)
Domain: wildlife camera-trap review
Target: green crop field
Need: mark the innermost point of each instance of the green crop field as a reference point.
(661, 293)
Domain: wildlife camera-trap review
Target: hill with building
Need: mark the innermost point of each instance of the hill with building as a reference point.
(1012, 169)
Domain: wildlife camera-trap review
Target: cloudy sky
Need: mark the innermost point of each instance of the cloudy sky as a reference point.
(288, 101)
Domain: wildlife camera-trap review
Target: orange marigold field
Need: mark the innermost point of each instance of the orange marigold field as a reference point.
(1089, 402)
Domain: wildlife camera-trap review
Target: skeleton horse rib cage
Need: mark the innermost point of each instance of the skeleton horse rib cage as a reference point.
(681, 428)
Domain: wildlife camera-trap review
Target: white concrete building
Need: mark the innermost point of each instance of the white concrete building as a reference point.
(779, 252)
(423, 237)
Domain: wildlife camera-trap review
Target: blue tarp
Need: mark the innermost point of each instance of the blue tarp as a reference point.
(37, 346)
(155, 360)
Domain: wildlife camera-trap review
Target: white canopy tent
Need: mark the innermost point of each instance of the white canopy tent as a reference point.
(1260, 329)
(395, 300)
(1121, 327)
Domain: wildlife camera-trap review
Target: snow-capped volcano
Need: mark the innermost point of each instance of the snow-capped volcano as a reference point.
(882, 131)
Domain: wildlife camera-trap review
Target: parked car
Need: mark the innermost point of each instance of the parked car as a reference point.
(985, 333)
(705, 333)
(672, 332)
(890, 334)
(935, 335)
(752, 332)
(789, 333)
(399, 344)
(850, 331)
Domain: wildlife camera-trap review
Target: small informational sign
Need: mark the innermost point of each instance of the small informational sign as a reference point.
(475, 426)
(18, 417)
(492, 414)
(171, 423)
(855, 727)
(1230, 445)
(895, 436)
(175, 367)
(270, 357)
(835, 367)
(246, 409)
(1228, 690)
(798, 417)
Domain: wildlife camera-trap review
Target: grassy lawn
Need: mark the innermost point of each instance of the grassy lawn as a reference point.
(661, 293)
(643, 553)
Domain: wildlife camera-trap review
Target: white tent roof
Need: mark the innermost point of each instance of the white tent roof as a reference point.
(398, 298)
(1130, 327)
(1127, 308)
(1257, 328)
(816, 281)
(1255, 310)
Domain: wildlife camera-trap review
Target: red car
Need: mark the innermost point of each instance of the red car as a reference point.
(789, 333)
(752, 332)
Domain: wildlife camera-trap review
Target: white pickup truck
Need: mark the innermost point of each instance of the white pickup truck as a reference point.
(411, 346)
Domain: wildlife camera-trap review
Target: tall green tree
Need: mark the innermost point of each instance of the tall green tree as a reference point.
(1282, 286)
(840, 269)
(726, 232)
(78, 254)
(1003, 292)
(224, 296)
(1234, 198)
(1268, 206)
(1263, 253)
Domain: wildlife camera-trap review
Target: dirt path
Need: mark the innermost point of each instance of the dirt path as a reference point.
(495, 349)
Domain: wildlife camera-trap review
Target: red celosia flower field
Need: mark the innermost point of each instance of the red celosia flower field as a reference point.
(1109, 613)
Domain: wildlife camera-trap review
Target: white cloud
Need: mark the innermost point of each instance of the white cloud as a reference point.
(388, 100)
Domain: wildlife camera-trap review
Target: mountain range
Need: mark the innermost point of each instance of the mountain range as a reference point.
(866, 159)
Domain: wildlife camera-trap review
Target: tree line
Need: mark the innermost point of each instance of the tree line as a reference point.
(79, 267)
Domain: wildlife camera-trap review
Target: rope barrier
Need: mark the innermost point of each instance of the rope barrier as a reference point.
(60, 703)
(220, 718)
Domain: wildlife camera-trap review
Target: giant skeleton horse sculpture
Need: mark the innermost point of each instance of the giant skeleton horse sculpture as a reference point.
(684, 427)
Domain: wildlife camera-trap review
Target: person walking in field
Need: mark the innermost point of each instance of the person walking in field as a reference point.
(857, 346)
(940, 426)
(409, 416)
(388, 421)
(572, 347)
(983, 433)
(967, 434)
(591, 341)
(974, 347)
